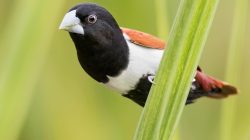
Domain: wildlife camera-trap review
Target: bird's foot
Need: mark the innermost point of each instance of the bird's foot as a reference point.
(151, 79)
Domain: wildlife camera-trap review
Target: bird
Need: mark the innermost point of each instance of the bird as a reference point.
(125, 59)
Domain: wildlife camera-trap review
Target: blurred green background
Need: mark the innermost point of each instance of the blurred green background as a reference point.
(45, 95)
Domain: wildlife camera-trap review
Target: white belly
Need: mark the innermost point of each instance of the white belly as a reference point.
(142, 61)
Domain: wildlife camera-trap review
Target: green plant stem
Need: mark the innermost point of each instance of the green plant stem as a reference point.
(167, 97)
(162, 25)
(234, 66)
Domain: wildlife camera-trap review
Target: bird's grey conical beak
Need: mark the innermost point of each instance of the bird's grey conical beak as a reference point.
(71, 23)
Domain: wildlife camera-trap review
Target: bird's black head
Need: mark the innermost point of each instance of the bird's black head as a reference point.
(90, 22)
(101, 48)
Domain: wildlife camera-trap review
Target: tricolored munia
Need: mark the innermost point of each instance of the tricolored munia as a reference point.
(125, 59)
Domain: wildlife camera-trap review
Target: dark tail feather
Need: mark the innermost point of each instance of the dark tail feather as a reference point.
(215, 88)
(224, 91)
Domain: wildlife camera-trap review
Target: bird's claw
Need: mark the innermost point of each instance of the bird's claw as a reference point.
(151, 79)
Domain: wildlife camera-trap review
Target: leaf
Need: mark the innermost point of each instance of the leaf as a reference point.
(167, 97)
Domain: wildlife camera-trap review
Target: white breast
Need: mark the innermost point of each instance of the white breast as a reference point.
(142, 61)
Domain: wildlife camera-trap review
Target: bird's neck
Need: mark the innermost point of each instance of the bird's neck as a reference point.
(103, 60)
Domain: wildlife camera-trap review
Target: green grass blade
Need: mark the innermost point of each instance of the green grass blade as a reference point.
(167, 98)
(27, 36)
(162, 25)
(234, 64)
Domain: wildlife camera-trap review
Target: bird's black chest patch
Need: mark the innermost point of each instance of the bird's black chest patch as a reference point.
(101, 60)
(103, 64)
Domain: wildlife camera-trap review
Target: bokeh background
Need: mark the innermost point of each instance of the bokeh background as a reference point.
(45, 95)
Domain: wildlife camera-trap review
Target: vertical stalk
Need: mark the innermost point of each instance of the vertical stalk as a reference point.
(234, 66)
(162, 25)
(167, 97)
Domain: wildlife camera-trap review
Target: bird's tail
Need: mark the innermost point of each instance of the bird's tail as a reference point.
(225, 89)
(215, 88)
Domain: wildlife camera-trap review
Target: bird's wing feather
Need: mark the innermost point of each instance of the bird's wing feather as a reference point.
(144, 39)
(216, 88)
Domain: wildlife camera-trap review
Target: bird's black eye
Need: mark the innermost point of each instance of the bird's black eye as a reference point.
(92, 19)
